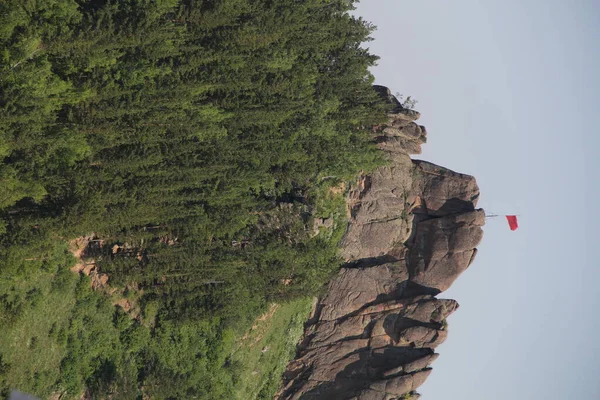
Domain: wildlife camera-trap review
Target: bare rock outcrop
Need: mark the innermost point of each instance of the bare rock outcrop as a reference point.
(413, 230)
(443, 248)
(400, 134)
(439, 191)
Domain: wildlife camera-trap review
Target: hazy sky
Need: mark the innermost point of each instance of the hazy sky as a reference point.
(510, 92)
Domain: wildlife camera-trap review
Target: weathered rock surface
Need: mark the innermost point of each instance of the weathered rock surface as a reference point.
(400, 134)
(443, 248)
(413, 230)
(440, 191)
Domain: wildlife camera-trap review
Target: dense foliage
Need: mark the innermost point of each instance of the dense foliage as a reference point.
(200, 138)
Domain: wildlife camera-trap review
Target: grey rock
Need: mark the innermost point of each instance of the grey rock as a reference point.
(396, 107)
(378, 204)
(438, 191)
(355, 288)
(443, 248)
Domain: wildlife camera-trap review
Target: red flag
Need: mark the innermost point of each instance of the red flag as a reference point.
(512, 222)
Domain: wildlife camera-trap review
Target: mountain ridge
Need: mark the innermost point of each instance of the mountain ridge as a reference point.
(413, 229)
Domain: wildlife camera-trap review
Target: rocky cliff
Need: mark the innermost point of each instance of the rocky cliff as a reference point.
(413, 230)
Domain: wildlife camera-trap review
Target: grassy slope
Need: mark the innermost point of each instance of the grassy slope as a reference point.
(34, 344)
(264, 351)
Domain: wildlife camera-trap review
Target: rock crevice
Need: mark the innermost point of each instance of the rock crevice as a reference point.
(413, 230)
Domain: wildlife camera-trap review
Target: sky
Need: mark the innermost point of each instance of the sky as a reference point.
(510, 92)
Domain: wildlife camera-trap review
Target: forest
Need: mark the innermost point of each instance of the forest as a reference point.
(189, 146)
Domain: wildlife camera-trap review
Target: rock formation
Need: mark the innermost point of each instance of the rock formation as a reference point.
(413, 230)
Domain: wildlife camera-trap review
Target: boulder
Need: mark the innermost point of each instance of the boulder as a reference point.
(379, 217)
(395, 106)
(356, 288)
(399, 135)
(443, 248)
(438, 191)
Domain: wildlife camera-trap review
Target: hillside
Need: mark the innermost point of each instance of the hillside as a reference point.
(183, 149)
(174, 178)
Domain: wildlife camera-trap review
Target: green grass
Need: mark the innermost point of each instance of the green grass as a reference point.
(33, 344)
(262, 353)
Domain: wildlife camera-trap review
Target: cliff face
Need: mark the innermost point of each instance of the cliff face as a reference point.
(413, 230)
